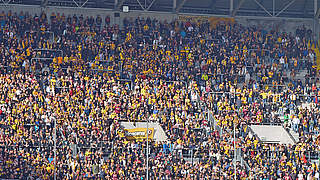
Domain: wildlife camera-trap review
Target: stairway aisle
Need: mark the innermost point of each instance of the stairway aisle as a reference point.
(294, 135)
(317, 52)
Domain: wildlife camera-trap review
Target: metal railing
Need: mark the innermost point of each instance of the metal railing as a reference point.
(127, 81)
(271, 154)
(51, 34)
(214, 41)
(51, 50)
(184, 82)
(41, 59)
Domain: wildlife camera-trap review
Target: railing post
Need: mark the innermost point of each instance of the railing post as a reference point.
(309, 155)
(192, 156)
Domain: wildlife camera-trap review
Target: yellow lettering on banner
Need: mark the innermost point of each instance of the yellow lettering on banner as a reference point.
(138, 133)
(212, 20)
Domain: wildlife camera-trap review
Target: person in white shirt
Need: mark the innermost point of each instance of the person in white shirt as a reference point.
(300, 176)
(316, 175)
(295, 122)
(282, 60)
(247, 78)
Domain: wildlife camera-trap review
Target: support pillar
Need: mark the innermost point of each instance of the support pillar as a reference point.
(115, 4)
(315, 20)
(231, 7)
(174, 5)
(273, 7)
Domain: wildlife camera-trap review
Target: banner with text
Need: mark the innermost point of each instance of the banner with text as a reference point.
(202, 19)
(138, 133)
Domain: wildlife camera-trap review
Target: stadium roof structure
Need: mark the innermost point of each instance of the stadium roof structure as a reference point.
(261, 8)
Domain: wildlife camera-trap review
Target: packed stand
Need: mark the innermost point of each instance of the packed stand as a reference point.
(81, 82)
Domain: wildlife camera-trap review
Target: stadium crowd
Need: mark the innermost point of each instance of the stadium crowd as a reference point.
(74, 78)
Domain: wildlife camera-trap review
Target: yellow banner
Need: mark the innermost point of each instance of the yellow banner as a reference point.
(138, 133)
(201, 19)
(193, 19)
